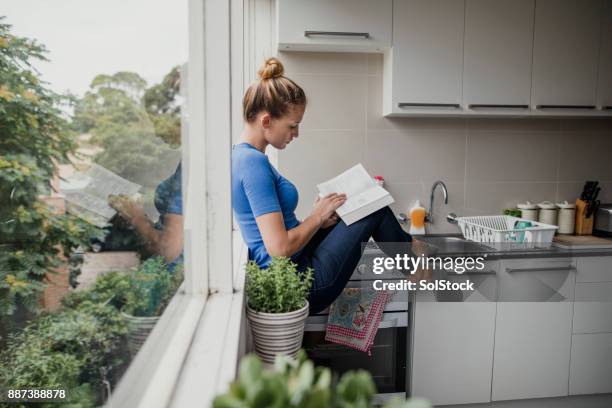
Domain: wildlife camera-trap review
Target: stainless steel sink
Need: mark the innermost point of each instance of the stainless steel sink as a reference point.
(449, 244)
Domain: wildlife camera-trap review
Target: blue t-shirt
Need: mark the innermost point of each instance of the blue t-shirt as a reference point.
(169, 195)
(169, 200)
(257, 189)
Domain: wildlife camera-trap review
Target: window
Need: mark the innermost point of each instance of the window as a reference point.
(94, 190)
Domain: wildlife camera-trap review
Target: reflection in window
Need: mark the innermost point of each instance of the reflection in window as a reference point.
(91, 224)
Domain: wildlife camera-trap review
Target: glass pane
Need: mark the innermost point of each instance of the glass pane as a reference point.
(91, 189)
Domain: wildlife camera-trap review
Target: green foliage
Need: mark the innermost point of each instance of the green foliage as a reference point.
(355, 389)
(34, 139)
(298, 383)
(66, 350)
(110, 288)
(161, 98)
(83, 344)
(160, 102)
(136, 127)
(151, 288)
(144, 291)
(280, 288)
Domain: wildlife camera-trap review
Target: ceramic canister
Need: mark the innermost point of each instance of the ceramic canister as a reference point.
(567, 217)
(548, 213)
(529, 211)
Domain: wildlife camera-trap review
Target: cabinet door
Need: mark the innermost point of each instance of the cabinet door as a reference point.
(604, 94)
(452, 353)
(593, 307)
(426, 60)
(497, 54)
(591, 368)
(533, 329)
(565, 53)
(334, 25)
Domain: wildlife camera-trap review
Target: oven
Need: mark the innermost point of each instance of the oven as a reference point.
(388, 362)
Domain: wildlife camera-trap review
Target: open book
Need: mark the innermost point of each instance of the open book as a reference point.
(363, 195)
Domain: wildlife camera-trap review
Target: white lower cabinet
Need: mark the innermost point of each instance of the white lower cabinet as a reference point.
(593, 307)
(532, 350)
(453, 343)
(528, 331)
(453, 352)
(533, 329)
(591, 361)
(591, 364)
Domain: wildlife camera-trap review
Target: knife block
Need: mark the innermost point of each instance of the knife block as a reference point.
(584, 225)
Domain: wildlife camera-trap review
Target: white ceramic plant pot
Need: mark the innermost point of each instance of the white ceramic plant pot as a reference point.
(138, 330)
(277, 333)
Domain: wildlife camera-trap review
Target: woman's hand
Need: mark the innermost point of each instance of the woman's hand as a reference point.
(331, 221)
(127, 208)
(325, 208)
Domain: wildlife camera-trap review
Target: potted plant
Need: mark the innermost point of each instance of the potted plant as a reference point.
(151, 287)
(277, 307)
(298, 383)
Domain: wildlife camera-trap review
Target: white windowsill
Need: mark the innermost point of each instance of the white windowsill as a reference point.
(219, 341)
(192, 353)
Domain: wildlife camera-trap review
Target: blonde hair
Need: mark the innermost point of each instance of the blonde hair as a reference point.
(273, 93)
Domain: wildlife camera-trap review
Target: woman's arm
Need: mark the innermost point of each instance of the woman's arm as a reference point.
(282, 242)
(167, 242)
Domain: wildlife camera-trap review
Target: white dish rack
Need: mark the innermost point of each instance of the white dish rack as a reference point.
(498, 232)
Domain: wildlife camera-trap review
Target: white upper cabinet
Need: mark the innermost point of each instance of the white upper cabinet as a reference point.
(469, 57)
(497, 55)
(604, 94)
(334, 25)
(423, 69)
(566, 54)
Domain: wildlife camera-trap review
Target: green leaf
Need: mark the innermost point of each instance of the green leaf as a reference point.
(228, 401)
(250, 373)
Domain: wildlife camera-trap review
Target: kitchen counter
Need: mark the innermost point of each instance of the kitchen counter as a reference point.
(462, 247)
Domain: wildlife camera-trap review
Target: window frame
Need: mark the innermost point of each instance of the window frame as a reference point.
(169, 367)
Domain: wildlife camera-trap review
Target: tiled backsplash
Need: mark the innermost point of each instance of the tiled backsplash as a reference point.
(487, 164)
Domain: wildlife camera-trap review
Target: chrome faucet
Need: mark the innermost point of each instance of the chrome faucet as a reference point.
(429, 218)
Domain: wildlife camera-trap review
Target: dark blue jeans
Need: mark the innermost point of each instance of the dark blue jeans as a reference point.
(334, 252)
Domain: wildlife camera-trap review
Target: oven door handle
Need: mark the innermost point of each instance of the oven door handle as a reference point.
(384, 324)
(311, 327)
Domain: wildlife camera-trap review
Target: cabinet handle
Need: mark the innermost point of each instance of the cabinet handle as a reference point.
(309, 33)
(479, 273)
(608, 107)
(428, 105)
(586, 107)
(546, 269)
(496, 106)
(485, 272)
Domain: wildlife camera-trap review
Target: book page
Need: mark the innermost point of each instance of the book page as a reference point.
(363, 195)
(352, 182)
(362, 199)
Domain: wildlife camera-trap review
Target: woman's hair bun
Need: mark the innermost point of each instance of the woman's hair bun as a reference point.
(272, 68)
